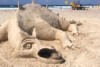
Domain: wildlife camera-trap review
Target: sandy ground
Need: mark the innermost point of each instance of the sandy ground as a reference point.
(86, 53)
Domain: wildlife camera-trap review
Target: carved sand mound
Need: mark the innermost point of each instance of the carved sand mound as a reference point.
(32, 23)
(85, 54)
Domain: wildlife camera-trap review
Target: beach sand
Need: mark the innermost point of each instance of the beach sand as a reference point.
(86, 53)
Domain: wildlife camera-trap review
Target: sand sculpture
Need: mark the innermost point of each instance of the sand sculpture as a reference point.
(31, 23)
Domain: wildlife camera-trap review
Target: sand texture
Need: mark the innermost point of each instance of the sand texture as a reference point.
(85, 54)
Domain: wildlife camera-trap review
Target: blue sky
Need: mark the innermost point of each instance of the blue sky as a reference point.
(13, 2)
(50, 2)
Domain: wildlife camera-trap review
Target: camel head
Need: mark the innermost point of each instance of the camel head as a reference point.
(32, 48)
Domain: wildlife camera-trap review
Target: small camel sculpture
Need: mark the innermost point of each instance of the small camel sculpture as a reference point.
(33, 22)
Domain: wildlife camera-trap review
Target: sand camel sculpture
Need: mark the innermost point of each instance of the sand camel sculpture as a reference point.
(33, 22)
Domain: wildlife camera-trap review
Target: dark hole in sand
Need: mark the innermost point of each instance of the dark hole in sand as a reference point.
(46, 53)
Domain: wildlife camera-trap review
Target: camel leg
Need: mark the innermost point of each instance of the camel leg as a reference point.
(54, 34)
(3, 31)
(65, 41)
(73, 28)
